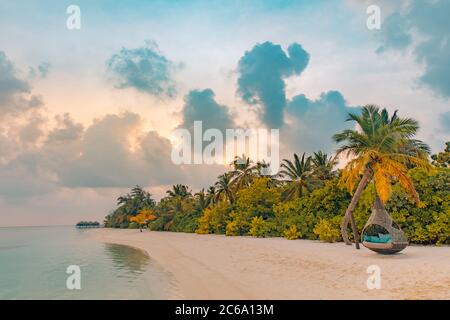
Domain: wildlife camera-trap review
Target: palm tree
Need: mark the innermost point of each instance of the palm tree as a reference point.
(323, 165)
(211, 193)
(298, 174)
(123, 199)
(382, 149)
(263, 170)
(244, 172)
(203, 199)
(179, 190)
(224, 186)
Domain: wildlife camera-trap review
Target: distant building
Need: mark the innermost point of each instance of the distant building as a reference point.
(88, 224)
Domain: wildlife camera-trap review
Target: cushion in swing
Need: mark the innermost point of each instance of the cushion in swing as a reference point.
(385, 238)
(381, 238)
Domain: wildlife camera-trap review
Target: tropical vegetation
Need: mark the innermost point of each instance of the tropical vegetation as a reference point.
(142, 218)
(310, 198)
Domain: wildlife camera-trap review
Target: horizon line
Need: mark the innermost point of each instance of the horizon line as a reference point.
(37, 226)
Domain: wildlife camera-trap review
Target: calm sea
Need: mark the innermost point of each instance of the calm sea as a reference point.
(34, 261)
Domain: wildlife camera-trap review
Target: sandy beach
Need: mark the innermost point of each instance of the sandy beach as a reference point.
(220, 267)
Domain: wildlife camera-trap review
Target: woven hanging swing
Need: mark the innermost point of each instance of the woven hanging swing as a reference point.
(381, 234)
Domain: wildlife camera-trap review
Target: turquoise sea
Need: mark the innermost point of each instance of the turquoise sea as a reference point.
(34, 261)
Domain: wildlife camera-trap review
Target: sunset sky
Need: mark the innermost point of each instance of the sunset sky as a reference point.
(86, 114)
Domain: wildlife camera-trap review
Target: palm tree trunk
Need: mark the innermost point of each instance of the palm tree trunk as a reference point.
(349, 213)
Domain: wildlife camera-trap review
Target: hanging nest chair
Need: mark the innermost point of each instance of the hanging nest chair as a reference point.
(381, 234)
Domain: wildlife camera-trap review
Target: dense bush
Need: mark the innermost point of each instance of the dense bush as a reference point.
(327, 202)
(429, 223)
(327, 231)
(133, 225)
(214, 219)
(259, 227)
(255, 201)
(177, 213)
(291, 233)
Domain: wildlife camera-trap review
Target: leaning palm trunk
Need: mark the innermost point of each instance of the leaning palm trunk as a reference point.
(349, 213)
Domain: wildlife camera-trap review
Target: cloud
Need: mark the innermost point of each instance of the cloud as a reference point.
(113, 152)
(103, 157)
(313, 122)
(200, 105)
(9, 81)
(20, 179)
(33, 129)
(262, 71)
(15, 92)
(42, 70)
(426, 22)
(66, 129)
(306, 125)
(145, 68)
(445, 121)
(395, 33)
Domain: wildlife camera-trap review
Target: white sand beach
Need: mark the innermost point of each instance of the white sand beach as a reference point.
(220, 267)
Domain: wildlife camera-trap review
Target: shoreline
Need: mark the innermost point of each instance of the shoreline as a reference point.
(220, 267)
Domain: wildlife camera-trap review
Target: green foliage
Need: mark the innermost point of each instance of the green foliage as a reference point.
(177, 212)
(299, 173)
(128, 206)
(232, 228)
(326, 202)
(259, 227)
(294, 213)
(429, 223)
(255, 201)
(186, 221)
(238, 224)
(291, 233)
(133, 225)
(214, 219)
(442, 159)
(327, 230)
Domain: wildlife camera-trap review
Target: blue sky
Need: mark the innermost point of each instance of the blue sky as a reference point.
(85, 114)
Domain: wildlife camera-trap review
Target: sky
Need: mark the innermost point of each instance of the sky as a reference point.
(85, 114)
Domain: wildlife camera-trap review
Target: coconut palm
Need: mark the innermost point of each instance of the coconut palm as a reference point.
(224, 187)
(244, 172)
(263, 170)
(323, 165)
(381, 150)
(203, 199)
(123, 199)
(298, 175)
(211, 193)
(179, 190)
